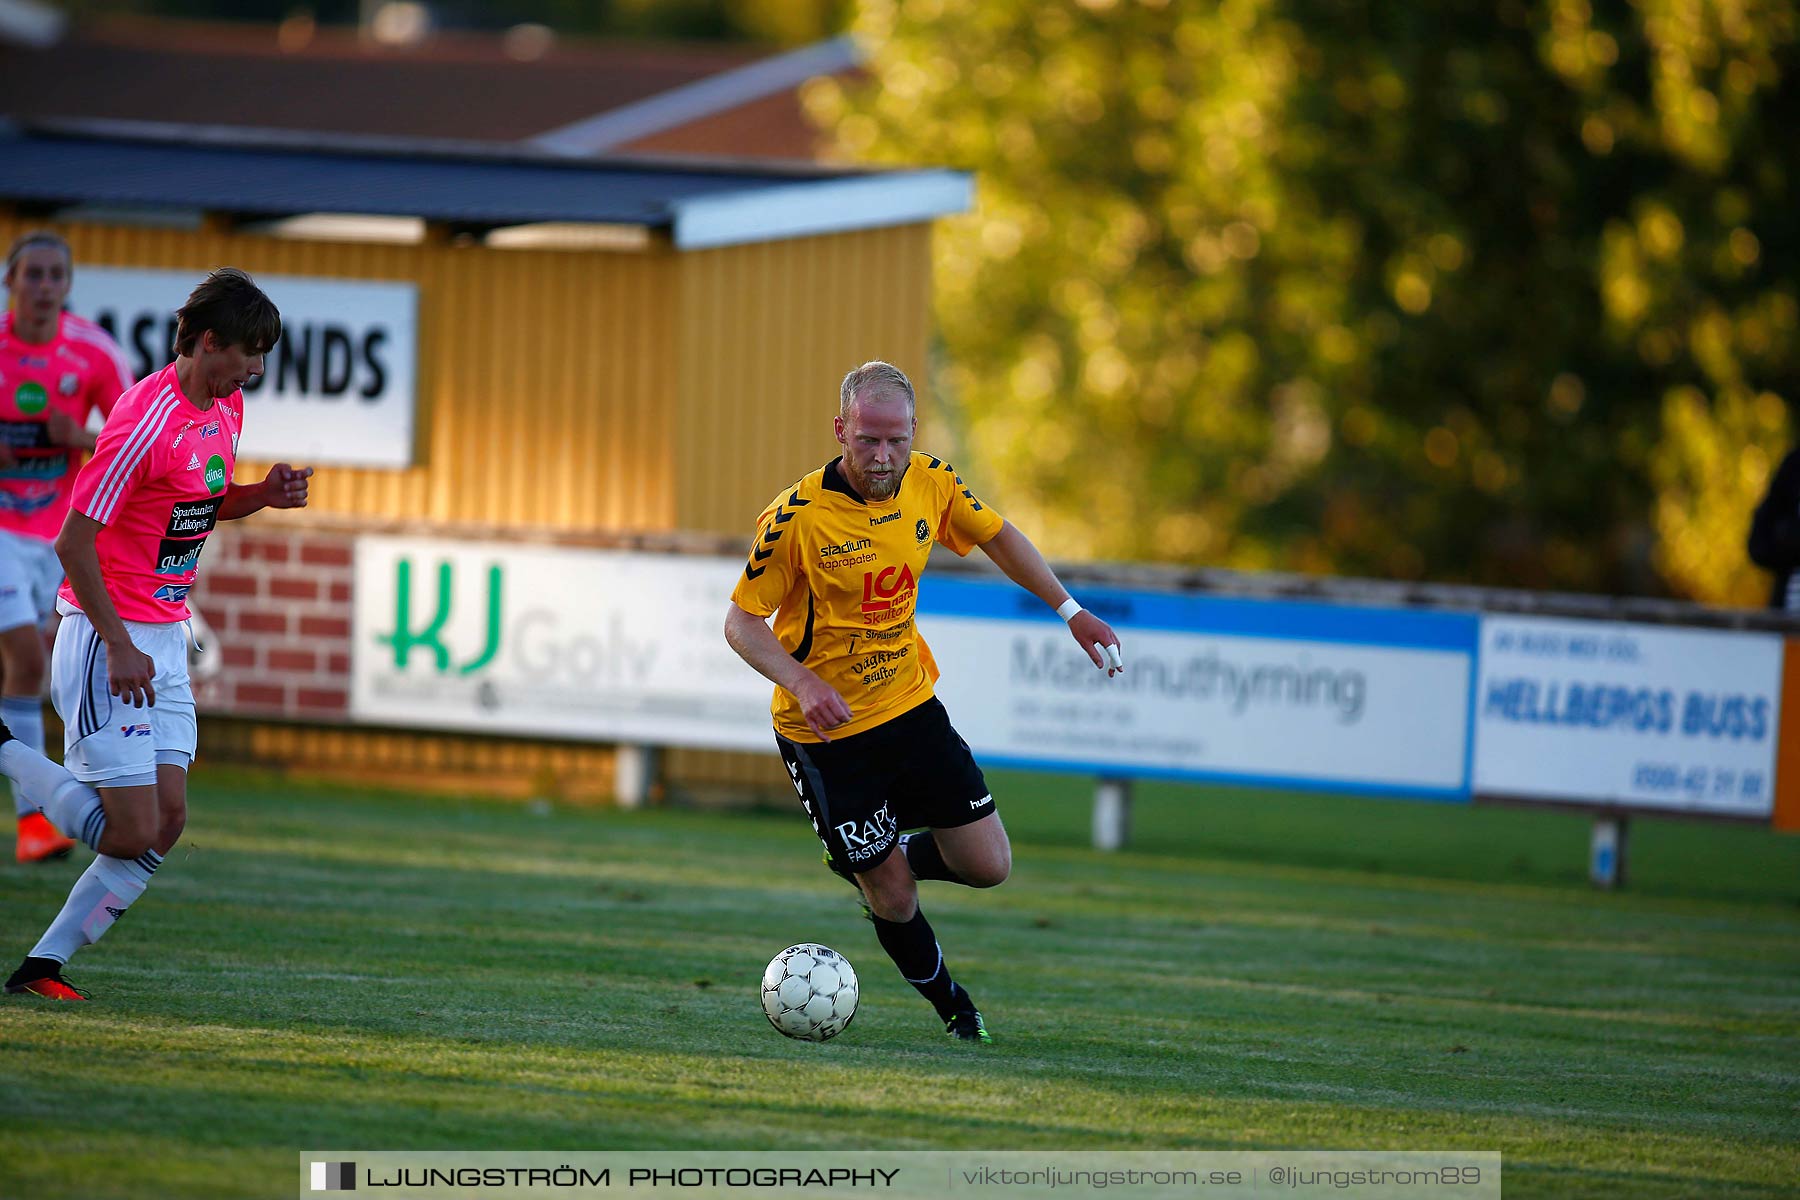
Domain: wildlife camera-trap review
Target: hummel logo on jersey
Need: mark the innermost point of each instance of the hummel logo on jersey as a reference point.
(987, 799)
(194, 462)
(893, 516)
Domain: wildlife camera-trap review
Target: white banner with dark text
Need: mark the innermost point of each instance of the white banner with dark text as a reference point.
(338, 388)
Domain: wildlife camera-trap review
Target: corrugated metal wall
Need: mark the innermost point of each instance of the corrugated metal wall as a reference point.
(573, 390)
(765, 335)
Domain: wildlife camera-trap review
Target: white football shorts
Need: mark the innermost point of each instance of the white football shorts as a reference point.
(30, 573)
(107, 742)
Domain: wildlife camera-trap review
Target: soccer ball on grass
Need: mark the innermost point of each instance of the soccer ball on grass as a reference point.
(809, 992)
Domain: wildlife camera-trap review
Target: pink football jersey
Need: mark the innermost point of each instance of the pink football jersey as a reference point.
(155, 482)
(77, 371)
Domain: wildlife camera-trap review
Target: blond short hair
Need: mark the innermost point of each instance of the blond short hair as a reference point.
(875, 377)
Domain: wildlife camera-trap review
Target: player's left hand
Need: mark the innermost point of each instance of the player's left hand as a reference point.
(1097, 639)
(285, 486)
(63, 429)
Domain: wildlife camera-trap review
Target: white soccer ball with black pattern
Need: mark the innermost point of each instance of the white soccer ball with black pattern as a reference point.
(809, 992)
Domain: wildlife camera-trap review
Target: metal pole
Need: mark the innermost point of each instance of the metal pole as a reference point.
(1112, 813)
(1607, 852)
(634, 768)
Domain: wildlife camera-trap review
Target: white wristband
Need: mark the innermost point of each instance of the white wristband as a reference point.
(1067, 609)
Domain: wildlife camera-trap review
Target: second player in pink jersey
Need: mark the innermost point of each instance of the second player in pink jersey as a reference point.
(56, 370)
(159, 480)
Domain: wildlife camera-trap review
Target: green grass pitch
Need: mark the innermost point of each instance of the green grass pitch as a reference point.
(323, 968)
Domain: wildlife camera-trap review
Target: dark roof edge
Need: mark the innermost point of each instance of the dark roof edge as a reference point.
(302, 141)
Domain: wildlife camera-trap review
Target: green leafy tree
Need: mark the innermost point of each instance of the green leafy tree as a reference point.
(1456, 292)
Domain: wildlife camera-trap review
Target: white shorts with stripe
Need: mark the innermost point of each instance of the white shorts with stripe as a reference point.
(30, 573)
(107, 742)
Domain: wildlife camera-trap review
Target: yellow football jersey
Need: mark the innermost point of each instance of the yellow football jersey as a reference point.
(841, 575)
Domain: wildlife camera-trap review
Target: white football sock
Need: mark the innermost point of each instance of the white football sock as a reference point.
(71, 805)
(100, 897)
(24, 715)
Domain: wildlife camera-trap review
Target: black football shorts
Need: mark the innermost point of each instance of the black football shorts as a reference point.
(862, 790)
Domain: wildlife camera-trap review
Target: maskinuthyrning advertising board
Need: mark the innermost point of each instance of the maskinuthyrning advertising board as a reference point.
(1261, 691)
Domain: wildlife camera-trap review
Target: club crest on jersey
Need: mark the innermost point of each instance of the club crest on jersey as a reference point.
(211, 430)
(141, 729)
(69, 384)
(922, 531)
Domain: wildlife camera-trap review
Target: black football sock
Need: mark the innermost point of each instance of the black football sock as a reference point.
(925, 859)
(914, 949)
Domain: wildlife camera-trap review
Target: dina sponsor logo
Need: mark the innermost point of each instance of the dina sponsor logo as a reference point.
(31, 398)
(216, 477)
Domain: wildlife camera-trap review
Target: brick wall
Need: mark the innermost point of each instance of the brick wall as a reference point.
(278, 601)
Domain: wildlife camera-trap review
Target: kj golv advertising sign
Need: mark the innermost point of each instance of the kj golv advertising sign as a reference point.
(551, 642)
(1336, 696)
(1634, 715)
(338, 388)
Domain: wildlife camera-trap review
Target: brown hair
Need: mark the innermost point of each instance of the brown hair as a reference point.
(231, 306)
(37, 237)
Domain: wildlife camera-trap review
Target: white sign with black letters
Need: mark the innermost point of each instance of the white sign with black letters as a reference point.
(339, 388)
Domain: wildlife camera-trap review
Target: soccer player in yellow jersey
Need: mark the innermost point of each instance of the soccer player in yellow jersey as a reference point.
(837, 560)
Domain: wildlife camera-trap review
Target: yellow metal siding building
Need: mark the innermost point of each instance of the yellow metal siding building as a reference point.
(578, 391)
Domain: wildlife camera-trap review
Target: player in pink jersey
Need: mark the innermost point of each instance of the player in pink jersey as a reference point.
(159, 480)
(55, 370)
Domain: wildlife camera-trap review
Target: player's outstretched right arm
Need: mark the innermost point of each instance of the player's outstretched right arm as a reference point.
(756, 644)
